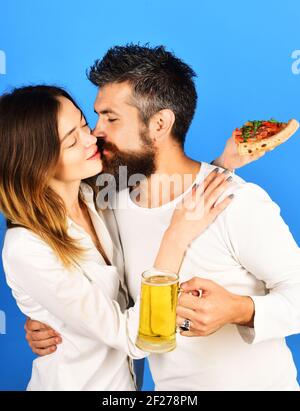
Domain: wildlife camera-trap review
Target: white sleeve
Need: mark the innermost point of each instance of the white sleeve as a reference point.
(264, 246)
(69, 295)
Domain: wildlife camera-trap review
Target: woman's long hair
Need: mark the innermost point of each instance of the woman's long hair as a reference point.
(30, 149)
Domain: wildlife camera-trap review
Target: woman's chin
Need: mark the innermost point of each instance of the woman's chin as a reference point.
(96, 169)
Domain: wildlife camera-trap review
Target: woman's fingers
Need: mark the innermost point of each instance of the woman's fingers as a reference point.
(191, 200)
(211, 199)
(202, 205)
(216, 182)
(207, 202)
(221, 206)
(210, 181)
(195, 210)
(211, 177)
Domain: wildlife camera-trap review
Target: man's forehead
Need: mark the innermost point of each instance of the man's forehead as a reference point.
(112, 95)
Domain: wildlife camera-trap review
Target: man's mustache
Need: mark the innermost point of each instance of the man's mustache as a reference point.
(105, 145)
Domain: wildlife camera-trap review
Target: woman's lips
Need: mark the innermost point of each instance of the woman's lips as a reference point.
(95, 155)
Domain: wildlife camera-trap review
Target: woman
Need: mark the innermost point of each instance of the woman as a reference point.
(58, 253)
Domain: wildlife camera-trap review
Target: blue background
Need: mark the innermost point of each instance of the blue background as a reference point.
(242, 52)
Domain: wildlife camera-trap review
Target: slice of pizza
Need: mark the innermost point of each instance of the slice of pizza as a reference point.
(261, 135)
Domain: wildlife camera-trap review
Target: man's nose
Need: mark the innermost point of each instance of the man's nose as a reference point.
(98, 134)
(99, 130)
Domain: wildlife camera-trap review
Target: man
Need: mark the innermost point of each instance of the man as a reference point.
(246, 263)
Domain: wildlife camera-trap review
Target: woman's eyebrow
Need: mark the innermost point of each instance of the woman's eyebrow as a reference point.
(71, 131)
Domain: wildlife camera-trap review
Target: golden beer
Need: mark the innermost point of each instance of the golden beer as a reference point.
(159, 295)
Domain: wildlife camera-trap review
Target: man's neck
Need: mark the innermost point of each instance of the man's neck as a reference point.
(175, 173)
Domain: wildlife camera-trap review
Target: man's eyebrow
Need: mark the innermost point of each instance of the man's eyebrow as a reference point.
(71, 131)
(106, 111)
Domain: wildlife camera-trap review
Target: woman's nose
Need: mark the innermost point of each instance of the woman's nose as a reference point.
(89, 140)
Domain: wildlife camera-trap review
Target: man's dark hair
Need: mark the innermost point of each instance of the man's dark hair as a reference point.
(159, 81)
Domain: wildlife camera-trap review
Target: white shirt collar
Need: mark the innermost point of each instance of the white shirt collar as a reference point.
(99, 224)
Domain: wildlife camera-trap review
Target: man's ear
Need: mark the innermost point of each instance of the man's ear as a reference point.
(160, 124)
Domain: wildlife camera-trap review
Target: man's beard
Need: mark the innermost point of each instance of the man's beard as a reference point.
(140, 162)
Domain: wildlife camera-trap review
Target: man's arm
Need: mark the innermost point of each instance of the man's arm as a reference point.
(264, 246)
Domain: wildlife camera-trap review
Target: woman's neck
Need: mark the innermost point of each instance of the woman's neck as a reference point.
(69, 193)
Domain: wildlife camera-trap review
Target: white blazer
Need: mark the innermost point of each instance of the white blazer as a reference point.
(86, 306)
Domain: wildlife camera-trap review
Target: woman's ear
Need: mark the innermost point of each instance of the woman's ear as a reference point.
(161, 124)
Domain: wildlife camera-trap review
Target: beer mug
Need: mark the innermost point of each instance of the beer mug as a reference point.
(159, 296)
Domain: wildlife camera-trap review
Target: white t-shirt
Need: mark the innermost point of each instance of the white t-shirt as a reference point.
(249, 250)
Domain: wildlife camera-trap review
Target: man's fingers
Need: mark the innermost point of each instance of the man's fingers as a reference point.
(189, 333)
(180, 320)
(188, 301)
(235, 133)
(197, 283)
(44, 344)
(184, 312)
(43, 335)
(33, 325)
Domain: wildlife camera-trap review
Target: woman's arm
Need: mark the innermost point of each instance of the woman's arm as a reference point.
(192, 216)
(68, 295)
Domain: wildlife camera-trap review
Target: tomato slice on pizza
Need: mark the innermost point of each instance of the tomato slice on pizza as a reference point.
(263, 135)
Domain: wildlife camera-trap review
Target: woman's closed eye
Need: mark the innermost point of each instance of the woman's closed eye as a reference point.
(73, 144)
(86, 126)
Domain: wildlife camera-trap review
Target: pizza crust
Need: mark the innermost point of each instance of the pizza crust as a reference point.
(269, 143)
